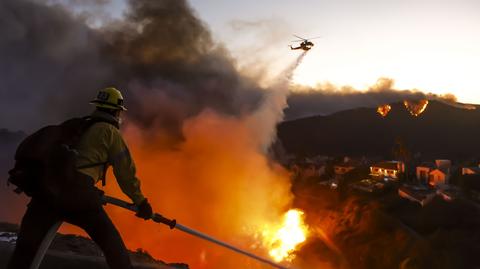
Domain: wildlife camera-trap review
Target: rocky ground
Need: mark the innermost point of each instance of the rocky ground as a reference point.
(72, 252)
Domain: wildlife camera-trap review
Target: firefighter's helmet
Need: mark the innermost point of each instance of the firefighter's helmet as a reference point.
(110, 98)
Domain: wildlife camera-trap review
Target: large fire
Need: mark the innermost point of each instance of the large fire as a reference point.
(416, 108)
(283, 240)
(217, 181)
(383, 110)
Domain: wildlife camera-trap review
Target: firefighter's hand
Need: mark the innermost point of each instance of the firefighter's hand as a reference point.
(144, 210)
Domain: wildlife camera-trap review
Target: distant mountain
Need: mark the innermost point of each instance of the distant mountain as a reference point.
(442, 131)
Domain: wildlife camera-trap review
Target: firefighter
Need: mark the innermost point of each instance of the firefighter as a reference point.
(100, 146)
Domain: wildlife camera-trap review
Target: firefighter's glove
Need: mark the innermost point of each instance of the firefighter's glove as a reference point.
(144, 210)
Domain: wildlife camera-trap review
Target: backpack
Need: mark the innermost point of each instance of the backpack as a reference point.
(45, 162)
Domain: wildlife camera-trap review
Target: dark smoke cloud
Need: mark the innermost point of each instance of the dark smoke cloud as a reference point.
(77, 3)
(50, 64)
(327, 99)
(161, 55)
(89, 2)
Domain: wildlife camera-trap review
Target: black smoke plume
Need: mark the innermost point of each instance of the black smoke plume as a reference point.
(160, 54)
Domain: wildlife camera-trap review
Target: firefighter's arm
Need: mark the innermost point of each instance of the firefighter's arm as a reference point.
(124, 168)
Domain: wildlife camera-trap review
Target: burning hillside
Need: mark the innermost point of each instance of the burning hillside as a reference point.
(416, 108)
(375, 135)
(383, 110)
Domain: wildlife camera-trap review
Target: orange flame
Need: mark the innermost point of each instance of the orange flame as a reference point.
(416, 108)
(283, 240)
(383, 110)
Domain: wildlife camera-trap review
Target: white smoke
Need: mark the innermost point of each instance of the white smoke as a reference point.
(264, 120)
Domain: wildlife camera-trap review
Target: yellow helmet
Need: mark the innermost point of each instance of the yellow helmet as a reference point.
(110, 98)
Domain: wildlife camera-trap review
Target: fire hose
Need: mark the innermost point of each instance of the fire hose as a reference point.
(173, 224)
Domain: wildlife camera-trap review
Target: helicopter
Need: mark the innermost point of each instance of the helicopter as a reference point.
(305, 45)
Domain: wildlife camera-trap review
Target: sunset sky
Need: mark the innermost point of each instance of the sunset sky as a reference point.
(428, 45)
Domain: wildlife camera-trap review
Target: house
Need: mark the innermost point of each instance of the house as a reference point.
(387, 170)
(417, 193)
(307, 169)
(439, 176)
(444, 164)
(474, 170)
(434, 174)
(423, 171)
(344, 167)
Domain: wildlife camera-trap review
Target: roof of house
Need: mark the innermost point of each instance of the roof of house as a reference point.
(442, 170)
(474, 168)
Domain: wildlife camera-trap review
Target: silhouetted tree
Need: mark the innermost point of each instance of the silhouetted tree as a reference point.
(402, 153)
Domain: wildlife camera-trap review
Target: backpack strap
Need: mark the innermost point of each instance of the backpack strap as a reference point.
(104, 173)
(90, 165)
(91, 121)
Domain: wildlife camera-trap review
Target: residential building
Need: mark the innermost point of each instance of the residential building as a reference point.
(439, 176)
(305, 170)
(387, 170)
(423, 171)
(344, 167)
(434, 174)
(444, 164)
(474, 170)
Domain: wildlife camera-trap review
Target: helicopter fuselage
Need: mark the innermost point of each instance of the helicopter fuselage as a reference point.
(305, 45)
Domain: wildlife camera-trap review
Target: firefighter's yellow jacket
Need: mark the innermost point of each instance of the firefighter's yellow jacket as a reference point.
(102, 142)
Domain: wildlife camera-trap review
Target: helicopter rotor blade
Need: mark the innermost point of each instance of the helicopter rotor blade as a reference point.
(314, 37)
(299, 40)
(299, 37)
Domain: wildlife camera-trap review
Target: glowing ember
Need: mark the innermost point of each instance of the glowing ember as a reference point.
(384, 110)
(283, 240)
(416, 108)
